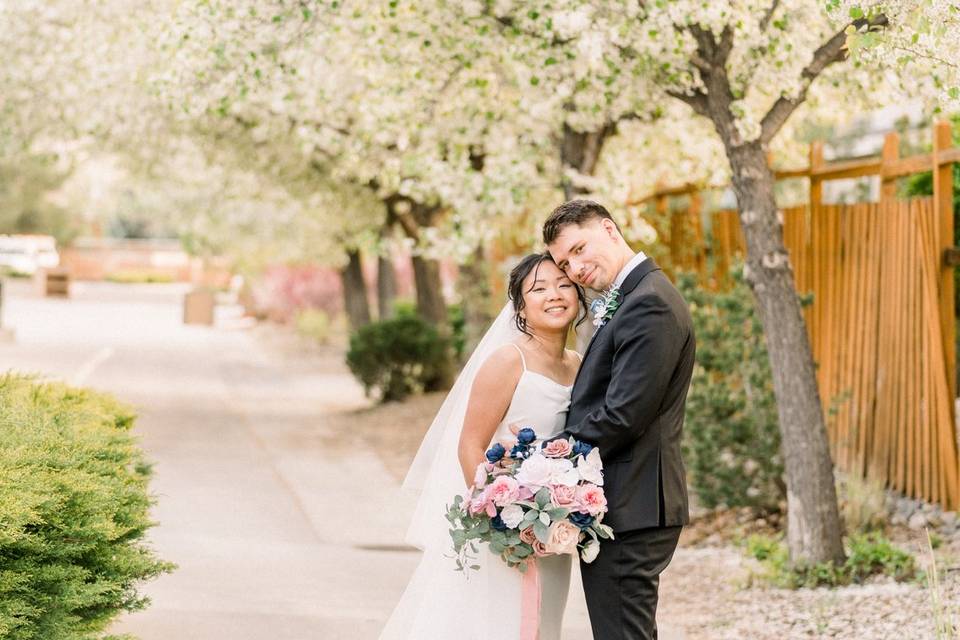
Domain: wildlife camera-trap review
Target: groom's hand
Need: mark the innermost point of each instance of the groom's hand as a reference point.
(510, 443)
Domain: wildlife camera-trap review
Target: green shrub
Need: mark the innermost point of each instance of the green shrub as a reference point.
(455, 319)
(10, 272)
(458, 328)
(731, 441)
(313, 324)
(73, 512)
(399, 356)
(872, 553)
(867, 555)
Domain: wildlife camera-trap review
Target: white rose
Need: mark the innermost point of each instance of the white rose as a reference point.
(512, 515)
(560, 472)
(535, 471)
(591, 468)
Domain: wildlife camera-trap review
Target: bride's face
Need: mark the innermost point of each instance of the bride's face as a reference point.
(549, 297)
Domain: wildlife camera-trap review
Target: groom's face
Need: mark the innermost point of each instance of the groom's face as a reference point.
(588, 253)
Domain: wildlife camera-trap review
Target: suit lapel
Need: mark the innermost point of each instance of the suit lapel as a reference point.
(634, 277)
(629, 284)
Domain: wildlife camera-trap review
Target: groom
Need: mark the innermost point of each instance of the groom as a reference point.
(628, 400)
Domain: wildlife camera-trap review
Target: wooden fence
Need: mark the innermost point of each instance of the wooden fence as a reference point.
(882, 324)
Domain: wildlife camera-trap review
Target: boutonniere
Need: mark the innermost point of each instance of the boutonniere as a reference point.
(604, 307)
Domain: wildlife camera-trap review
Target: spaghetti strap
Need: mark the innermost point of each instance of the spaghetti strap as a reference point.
(577, 353)
(523, 360)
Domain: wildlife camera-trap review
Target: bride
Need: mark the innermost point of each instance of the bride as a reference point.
(520, 375)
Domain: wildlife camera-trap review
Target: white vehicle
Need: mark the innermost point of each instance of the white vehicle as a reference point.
(27, 253)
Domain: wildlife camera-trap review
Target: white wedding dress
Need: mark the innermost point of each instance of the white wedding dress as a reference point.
(441, 603)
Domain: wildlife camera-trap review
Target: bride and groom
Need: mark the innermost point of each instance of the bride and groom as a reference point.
(625, 395)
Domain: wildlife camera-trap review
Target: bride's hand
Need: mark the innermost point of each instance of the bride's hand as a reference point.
(510, 443)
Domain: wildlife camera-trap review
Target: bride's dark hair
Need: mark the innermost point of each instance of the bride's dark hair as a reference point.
(531, 264)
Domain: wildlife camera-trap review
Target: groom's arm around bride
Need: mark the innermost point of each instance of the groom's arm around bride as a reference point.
(628, 401)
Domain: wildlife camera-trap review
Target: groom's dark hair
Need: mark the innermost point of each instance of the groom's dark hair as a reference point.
(575, 212)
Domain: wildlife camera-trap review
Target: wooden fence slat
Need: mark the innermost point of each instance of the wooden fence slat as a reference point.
(848, 241)
(873, 313)
(915, 428)
(930, 462)
(901, 413)
(928, 417)
(861, 238)
(886, 406)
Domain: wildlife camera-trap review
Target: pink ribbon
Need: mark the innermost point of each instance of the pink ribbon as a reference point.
(530, 602)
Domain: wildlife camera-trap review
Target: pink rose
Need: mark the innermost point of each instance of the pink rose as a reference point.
(564, 497)
(564, 536)
(481, 503)
(503, 490)
(528, 536)
(557, 449)
(592, 499)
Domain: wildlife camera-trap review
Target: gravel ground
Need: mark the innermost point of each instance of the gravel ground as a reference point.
(707, 593)
(711, 590)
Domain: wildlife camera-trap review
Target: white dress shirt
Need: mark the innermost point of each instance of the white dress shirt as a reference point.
(627, 268)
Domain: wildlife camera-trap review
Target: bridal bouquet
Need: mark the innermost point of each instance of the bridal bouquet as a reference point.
(543, 498)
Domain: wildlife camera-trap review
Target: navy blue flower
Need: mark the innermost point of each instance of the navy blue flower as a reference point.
(582, 520)
(520, 452)
(495, 453)
(497, 523)
(526, 435)
(582, 448)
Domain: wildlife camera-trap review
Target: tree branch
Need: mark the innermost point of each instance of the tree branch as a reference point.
(405, 217)
(928, 56)
(697, 101)
(768, 16)
(833, 50)
(509, 22)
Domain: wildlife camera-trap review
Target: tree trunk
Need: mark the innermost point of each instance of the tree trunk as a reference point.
(430, 304)
(475, 299)
(355, 291)
(580, 151)
(813, 521)
(386, 274)
(386, 287)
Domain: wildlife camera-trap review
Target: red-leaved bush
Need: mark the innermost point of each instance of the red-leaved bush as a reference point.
(283, 290)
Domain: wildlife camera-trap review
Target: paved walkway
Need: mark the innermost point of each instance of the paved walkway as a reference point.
(284, 524)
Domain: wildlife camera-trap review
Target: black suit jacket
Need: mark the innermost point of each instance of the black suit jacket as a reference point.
(629, 397)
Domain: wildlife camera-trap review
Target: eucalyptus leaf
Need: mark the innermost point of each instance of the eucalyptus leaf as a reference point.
(542, 532)
(543, 497)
